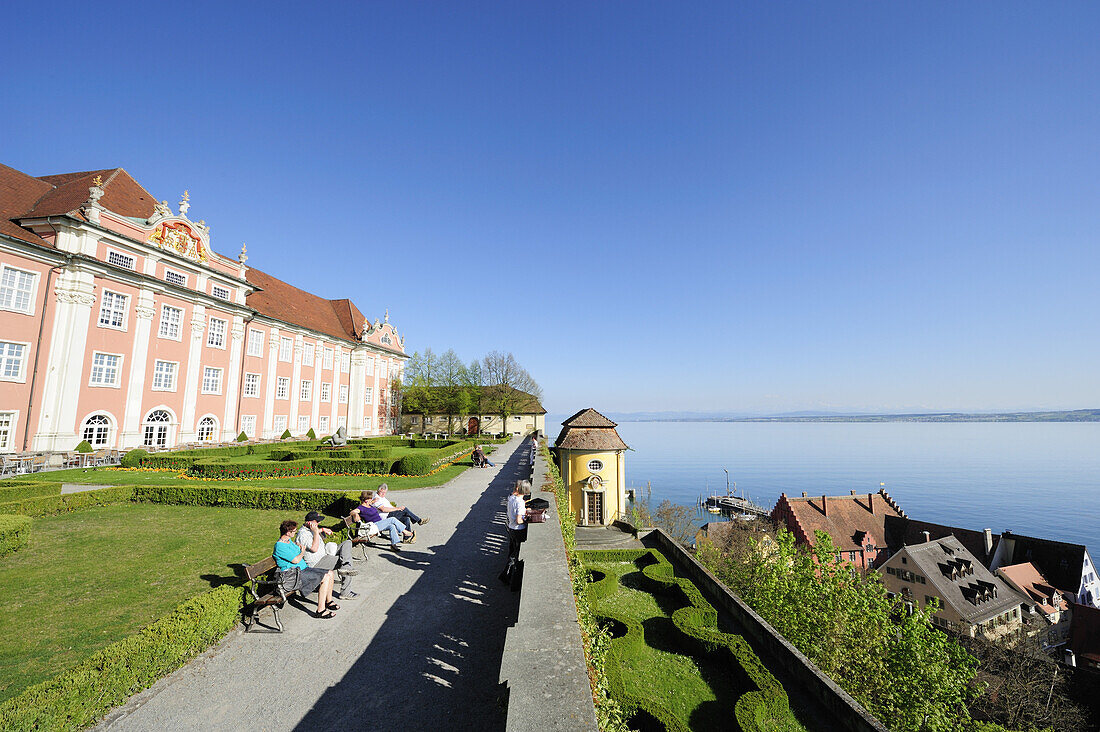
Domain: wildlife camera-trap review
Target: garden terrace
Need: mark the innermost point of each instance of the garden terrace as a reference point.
(669, 666)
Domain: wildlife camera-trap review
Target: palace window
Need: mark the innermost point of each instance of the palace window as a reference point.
(105, 369)
(13, 357)
(286, 346)
(303, 424)
(170, 319)
(211, 380)
(326, 391)
(343, 393)
(251, 384)
(368, 393)
(307, 354)
(345, 362)
(208, 428)
(175, 278)
(255, 342)
(7, 430)
(16, 289)
(119, 259)
(322, 423)
(279, 424)
(370, 367)
(307, 390)
(366, 422)
(382, 369)
(164, 375)
(341, 422)
(282, 387)
(97, 430)
(215, 337)
(327, 364)
(248, 424)
(112, 310)
(222, 293)
(595, 466)
(157, 426)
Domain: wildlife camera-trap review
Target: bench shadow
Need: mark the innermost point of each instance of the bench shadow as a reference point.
(439, 650)
(237, 579)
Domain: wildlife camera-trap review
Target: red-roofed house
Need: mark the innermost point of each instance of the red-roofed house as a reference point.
(1048, 607)
(856, 524)
(121, 326)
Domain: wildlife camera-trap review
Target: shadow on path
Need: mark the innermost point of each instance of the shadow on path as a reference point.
(435, 661)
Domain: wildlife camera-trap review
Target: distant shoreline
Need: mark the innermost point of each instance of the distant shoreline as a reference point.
(1076, 415)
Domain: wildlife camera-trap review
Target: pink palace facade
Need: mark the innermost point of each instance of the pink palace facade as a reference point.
(120, 325)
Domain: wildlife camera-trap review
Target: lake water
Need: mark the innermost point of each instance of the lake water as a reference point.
(1038, 479)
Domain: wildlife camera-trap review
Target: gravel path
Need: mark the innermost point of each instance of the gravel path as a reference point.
(420, 648)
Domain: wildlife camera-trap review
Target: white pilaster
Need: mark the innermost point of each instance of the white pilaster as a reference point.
(269, 384)
(295, 386)
(144, 310)
(357, 378)
(233, 379)
(193, 383)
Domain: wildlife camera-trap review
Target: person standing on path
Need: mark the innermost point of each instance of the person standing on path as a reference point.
(517, 527)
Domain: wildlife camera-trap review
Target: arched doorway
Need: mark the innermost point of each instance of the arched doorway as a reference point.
(473, 427)
(157, 426)
(208, 427)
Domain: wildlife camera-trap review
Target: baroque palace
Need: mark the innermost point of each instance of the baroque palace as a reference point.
(120, 326)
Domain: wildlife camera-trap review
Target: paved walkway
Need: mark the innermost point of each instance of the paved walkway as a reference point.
(420, 648)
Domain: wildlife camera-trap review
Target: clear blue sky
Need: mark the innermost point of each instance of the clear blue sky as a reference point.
(656, 206)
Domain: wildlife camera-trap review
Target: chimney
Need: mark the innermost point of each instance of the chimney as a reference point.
(927, 536)
(824, 507)
(871, 503)
(988, 543)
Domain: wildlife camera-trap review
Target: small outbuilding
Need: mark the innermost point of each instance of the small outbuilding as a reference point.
(591, 458)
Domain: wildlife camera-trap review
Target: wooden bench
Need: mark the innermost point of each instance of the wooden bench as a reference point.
(265, 589)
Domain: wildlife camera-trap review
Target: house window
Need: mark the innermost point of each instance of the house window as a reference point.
(97, 430)
(343, 393)
(285, 346)
(215, 337)
(255, 342)
(307, 354)
(175, 278)
(303, 424)
(157, 425)
(251, 384)
(366, 423)
(428, 420)
(368, 394)
(208, 428)
(370, 367)
(7, 430)
(307, 390)
(112, 310)
(322, 423)
(382, 369)
(595, 466)
(16, 289)
(170, 319)
(326, 391)
(105, 369)
(164, 375)
(327, 364)
(851, 556)
(222, 293)
(279, 423)
(248, 424)
(12, 361)
(120, 260)
(282, 387)
(345, 362)
(211, 380)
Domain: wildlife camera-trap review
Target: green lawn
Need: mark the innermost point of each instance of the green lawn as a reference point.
(95, 576)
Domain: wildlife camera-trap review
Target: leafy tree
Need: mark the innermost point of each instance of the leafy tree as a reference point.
(507, 386)
(418, 396)
(452, 396)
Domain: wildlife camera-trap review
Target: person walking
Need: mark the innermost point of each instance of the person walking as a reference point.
(517, 527)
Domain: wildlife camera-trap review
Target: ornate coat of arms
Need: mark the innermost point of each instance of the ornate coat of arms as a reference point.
(179, 237)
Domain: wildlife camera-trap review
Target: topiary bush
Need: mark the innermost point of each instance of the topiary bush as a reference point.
(285, 435)
(84, 446)
(242, 437)
(133, 458)
(311, 434)
(413, 465)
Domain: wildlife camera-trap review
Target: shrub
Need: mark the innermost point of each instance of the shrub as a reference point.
(15, 532)
(331, 502)
(48, 505)
(133, 458)
(285, 435)
(413, 465)
(84, 446)
(242, 437)
(311, 434)
(352, 466)
(16, 491)
(260, 469)
(78, 697)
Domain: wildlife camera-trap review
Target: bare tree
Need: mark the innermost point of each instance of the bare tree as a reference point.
(508, 386)
(450, 385)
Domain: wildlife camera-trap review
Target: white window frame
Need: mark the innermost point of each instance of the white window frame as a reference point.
(322, 423)
(255, 338)
(595, 470)
(286, 349)
(278, 424)
(305, 392)
(207, 372)
(110, 430)
(213, 433)
(327, 362)
(345, 362)
(248, 424)
(370, 366)
(156, 427)
(174, 375)
(118, 371)
(368, 394)
(216, 329)
(303, 424)
(255, 392)
(282, 387)
(228, 291)
(307, 354)
(343, 394)
(382, 366)
(21, 376)
(32, 289)
(169, 273)
(326, 391)
(367, 422)
(342, 421)
(132, 266)
(7, 434)
(178, 336)
(110, 310)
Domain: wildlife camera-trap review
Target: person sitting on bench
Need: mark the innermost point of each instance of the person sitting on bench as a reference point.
(328, 555)
(289, 555)
(368, 513)
(401, 513)
(479, 458)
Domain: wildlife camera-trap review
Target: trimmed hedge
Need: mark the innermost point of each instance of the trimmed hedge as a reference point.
(352, 466)
(332, 502)
(260, 469)
(48, 505)
(15, 532)
(413, 465)
(79, 697)
(133, 458)
(13, 491)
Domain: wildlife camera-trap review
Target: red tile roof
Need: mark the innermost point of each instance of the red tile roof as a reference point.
(588, 418)
(18, 193)
(841, 517)
(1027, 578)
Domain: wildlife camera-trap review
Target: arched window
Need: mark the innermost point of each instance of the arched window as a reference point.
(208, 427)
(157, 425)
(97, 430)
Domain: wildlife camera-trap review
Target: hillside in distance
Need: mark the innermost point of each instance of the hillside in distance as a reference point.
(1073, 415)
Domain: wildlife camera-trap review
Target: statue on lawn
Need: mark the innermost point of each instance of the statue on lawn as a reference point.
(340, 439)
